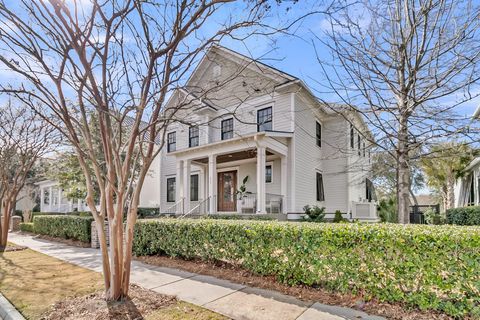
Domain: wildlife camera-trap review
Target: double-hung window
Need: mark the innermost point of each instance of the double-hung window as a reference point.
(352, 137)
(193, 134)
(264, 119)
(320, 190)
(319, 134)
(268, 173)
(171, 142)
(194, 187)
(227, 129)
(170, 189)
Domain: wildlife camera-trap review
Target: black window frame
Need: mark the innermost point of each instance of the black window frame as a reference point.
(169, 196)
(319, 134)
(194, 187)
(193, 136)
(271, 173)
(264, 118)
(320, 189)
(352, 137)
(359, 144)
(364, 149)
(171, 141)
(226, 129)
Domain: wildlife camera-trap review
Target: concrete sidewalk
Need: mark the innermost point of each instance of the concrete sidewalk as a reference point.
(230, 299)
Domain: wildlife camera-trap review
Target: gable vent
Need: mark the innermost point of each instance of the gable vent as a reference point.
(217, 71)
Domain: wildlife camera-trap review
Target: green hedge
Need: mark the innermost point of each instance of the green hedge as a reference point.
(68, 227)
(26, 226)
(257, 217)
(429, 267)
(466, 216)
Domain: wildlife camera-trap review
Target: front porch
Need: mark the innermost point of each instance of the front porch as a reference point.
(246, 175)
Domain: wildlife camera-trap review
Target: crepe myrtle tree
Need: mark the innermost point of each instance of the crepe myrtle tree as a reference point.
(117, 62)
(24, 138)
(406, 66)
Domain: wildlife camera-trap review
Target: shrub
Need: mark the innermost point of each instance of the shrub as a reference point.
(466, 216)
(314, 213)
(387, 210)
(67, 227)
(35, 214)
(147, 212)
(83, 213)
(429, 267)
(26, 227)
(432, 217)
(339, 217)
(258, 217)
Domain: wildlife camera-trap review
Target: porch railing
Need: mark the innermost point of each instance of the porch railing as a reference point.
(248, 203)
(177, 207)
(201, 208)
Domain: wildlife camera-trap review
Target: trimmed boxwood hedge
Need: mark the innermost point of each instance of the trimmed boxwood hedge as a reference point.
(26, 226)
(429, 267)
(466, 216)
(68, 227)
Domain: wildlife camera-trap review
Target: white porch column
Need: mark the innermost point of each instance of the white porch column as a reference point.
(187, 170)
(284, 182)
(42, 199)
(212, 182)
(179, 186)
(261, 159)
(60, 198)
(50, 198)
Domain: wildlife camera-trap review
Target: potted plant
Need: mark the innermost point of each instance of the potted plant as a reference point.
(241, 194)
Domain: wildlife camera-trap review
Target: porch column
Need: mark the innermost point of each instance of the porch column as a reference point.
(179, 186)
(60, 199)
(284, 182)
(50, 198)
(186, 184)
(212, 182)
(42, 198)
(261, 159)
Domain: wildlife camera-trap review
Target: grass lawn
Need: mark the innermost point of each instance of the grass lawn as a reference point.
(33, 282)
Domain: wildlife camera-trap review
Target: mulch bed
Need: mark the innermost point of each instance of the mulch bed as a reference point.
(140, 303)
(238, 275)
(70, 242)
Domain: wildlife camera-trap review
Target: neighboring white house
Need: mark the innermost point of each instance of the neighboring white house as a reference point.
(52, 199)
(467, 188)
(266, 125)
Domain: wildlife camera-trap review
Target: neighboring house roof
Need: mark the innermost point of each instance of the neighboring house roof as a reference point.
(425, 200)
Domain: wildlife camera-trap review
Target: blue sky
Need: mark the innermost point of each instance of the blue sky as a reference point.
(296, 55)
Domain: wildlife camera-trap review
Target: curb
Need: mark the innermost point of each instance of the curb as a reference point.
(8, 311)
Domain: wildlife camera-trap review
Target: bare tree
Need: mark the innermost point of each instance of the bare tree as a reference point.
(105, 70)
(406, 65)
(24, 138)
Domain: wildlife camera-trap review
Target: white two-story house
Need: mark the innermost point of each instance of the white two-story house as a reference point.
(237, 120)
(467, 188)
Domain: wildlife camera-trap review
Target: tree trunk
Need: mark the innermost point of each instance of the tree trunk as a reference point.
(6, 212)
(403, 183)
(450, 199)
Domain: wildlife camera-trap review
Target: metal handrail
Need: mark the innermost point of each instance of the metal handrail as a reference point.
(174, 206)
(196, 207)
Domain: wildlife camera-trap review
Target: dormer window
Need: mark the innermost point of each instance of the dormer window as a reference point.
(264, 119)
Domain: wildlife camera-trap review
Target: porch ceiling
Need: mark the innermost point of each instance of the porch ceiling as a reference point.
(234, 156)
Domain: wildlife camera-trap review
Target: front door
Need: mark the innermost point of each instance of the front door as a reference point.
(227, 187)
